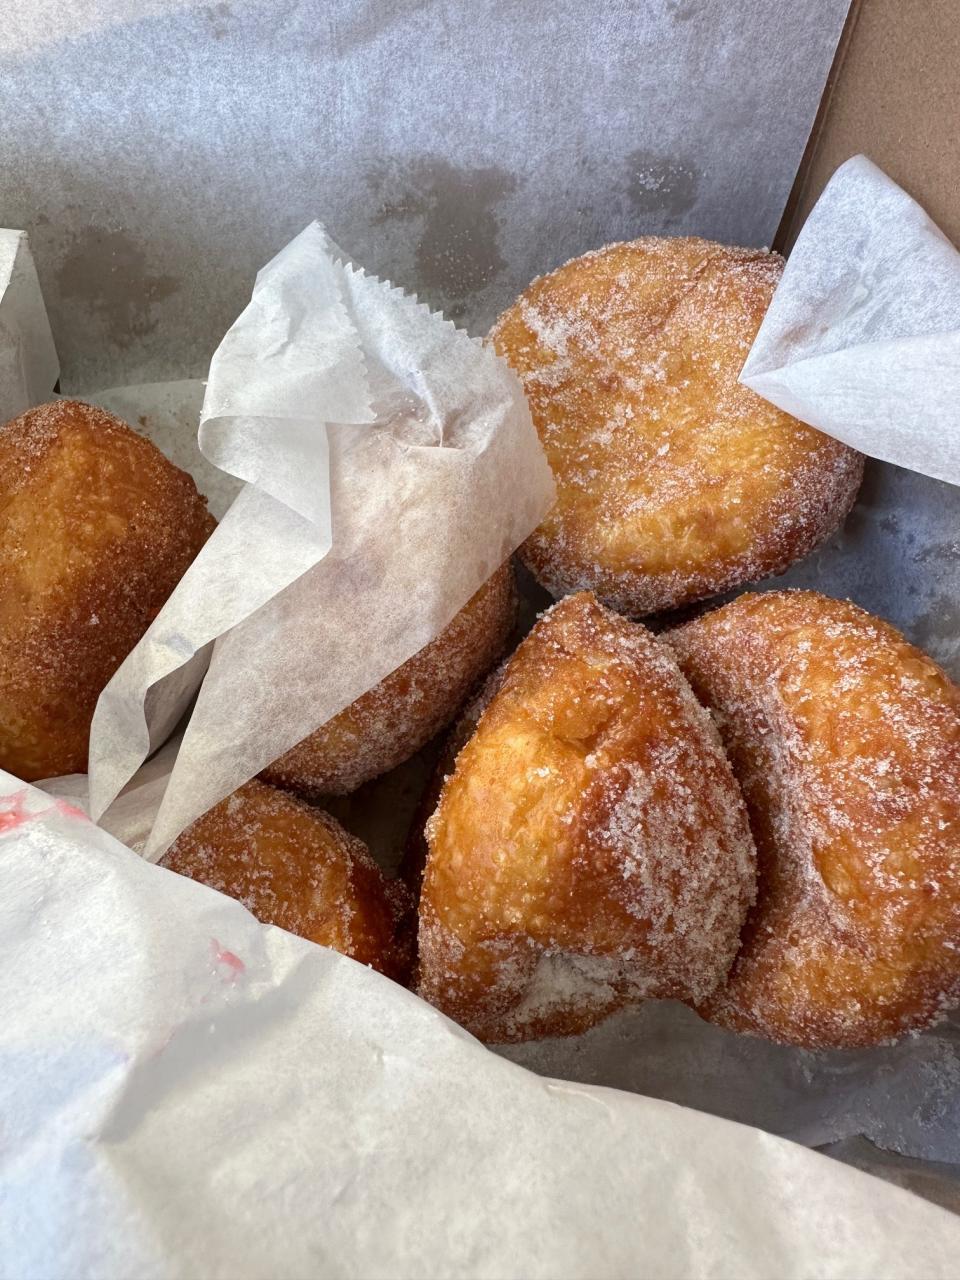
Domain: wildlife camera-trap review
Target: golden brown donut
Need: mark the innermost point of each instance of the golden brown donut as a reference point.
(674, 482)
(394, 719)
(846, 741)
(414, 860)
(591, 846)
(295, 867)
(96, 529)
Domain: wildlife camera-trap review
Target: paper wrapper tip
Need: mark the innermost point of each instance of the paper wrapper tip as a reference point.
(862, 339)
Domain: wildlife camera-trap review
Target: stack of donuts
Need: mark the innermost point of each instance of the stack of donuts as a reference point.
(751, 807)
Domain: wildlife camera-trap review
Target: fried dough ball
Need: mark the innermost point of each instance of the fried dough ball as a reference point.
(295, 867)
(674, 482)
(414, 860)
(846, 741)
(96, 530)
(394, 719)
(591, 846)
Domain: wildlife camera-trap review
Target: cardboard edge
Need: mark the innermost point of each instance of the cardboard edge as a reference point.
(787, 231)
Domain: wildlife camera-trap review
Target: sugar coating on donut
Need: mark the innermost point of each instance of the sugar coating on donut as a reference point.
(674, 481)
(96, 529)
(393, 720)
(296, 867)
(846, 741)
(591, 846)
(414, 858)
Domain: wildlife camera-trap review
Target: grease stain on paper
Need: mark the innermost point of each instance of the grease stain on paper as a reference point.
(941, 621)
(662, 185)
(458, 252)
(681, 11)
(109, 272)
(939, 552)
(373, 20)
(220, 18)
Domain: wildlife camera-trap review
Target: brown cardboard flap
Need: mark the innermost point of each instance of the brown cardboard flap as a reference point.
(894, 95)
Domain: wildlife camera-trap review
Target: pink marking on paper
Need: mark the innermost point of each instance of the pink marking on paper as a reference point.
(14, 812)
(232, 962)
(69, 810)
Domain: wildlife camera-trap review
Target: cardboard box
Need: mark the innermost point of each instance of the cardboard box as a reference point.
(891, 94)
(135, 294)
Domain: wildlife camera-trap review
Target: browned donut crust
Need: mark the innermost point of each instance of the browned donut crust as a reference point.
(393, 720)
(295, 867)
(846, 741)
(591, 846)
(674, 482)
(414, 859)
(96, 529)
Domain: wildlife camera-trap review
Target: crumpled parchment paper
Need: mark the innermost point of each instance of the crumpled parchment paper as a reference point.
(390, 466)
(188, 1093)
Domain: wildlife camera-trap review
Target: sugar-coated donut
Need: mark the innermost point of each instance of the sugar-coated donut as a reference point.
(393, 720)
(846, 741)
(414, 860)
(96, 529)
(294, 866)
(674, 482)
(591, 846)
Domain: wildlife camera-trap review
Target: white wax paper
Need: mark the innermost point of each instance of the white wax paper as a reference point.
(28, 358)
(159, 151)
(188, 1093)
(131, 816)
(862, 338)
(391, 467)
(168, 414)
